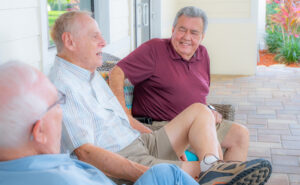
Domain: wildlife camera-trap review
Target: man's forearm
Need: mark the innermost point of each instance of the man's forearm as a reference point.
(110, 163)
(116, 84)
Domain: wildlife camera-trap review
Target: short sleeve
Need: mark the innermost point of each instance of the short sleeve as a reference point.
(140, 64)
(77, 125)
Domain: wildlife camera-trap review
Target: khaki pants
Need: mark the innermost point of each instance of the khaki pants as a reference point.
(151, 149)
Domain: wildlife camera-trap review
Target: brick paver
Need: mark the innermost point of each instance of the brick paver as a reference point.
(268, 103)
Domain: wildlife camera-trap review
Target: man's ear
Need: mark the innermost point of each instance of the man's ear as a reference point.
(38, 132)
(68, 40)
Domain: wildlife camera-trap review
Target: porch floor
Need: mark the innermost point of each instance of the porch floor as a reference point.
(269, 105)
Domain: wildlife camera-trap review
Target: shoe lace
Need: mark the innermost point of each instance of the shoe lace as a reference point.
(217, 159)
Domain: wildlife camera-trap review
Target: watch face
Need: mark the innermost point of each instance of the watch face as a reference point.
(211, 107)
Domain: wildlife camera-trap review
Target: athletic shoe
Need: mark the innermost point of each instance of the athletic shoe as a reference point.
(256, 171)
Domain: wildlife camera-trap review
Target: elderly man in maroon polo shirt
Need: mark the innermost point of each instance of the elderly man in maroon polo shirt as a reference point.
(171, 74)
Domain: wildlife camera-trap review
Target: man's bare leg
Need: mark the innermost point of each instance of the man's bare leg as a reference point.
(194, 126)
(236, 143)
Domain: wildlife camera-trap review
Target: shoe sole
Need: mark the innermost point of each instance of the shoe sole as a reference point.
(258, 174)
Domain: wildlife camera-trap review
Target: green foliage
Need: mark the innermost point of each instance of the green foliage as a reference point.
(283, 25)
(273, 39)
(59, 4)
(53, 15)
(290, 51)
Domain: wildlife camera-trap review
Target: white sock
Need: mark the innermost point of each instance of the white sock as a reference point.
(207, 162)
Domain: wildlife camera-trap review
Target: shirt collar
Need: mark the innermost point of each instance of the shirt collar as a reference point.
(76, 70)
(197, 57)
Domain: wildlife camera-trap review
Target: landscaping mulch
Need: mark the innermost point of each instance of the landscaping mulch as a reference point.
(267, 59)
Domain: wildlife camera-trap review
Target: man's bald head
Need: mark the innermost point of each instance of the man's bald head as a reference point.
(25, 95)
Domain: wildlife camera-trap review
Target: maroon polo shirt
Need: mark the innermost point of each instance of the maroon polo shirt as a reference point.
(164, 83)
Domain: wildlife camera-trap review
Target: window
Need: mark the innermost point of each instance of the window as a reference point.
(58, 7)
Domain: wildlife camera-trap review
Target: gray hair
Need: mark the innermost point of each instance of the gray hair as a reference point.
(20, 105)
(65, 23)
(192, 11)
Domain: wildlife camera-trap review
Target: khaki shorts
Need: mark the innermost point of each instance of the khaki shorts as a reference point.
(155, 148)
(151, 149)
(222, 129)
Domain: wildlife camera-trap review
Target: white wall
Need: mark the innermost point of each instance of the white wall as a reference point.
(168, 12)
(231, 38)
(20, 33)
(261, 24)
(121, 28)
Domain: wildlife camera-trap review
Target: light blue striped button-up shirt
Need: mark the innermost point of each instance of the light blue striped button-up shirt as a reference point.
(92, 114)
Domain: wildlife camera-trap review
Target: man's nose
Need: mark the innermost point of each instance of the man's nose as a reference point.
(187, 35)
(102, 42)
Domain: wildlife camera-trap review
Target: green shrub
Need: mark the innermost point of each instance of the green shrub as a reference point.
(273, 39)
(283, 18)
(290, 51)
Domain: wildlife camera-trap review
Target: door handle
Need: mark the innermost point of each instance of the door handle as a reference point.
(146, 14)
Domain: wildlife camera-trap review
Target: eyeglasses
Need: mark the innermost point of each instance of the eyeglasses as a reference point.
(61, 99)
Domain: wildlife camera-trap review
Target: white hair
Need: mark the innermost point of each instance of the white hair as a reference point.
(20, 105)
(65, 23)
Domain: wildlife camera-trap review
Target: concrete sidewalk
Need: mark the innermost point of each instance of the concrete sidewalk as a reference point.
(269, 105)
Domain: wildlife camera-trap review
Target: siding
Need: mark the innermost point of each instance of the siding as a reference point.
(20, 32)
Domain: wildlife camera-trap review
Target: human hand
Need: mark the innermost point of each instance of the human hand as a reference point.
(138, 125)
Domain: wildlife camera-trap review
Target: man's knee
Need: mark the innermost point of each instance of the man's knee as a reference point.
(200, 109)
(240, 134)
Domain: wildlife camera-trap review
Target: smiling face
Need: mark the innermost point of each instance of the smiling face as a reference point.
(88, 43)
(187, 36)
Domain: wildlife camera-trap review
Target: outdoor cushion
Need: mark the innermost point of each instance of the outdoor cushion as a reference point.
(128, 89)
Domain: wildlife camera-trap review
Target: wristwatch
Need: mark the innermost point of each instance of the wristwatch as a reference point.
(211, 107)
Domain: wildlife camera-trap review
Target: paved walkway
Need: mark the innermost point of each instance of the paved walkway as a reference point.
(269, 105)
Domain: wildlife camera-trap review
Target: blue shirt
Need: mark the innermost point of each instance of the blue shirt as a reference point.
(50, 169)
(92, 114)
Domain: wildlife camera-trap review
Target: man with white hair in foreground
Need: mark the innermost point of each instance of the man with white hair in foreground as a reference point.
(30, 133)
